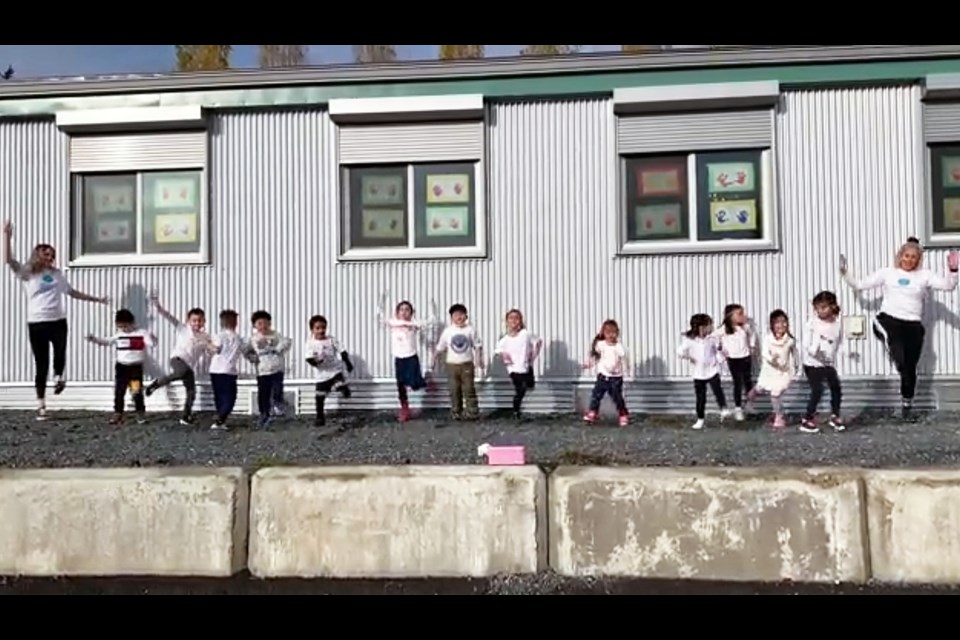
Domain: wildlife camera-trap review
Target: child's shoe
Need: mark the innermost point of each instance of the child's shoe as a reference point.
(624, 420)
(699, 424)
(837, 423)
(724, 414)
(779, 422)
(590, 417)
(404, 414)
(116, 419)
(809, 425)
(738, 415)
(141, 418)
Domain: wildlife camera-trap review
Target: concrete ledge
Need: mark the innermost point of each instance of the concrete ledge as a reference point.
(115, 522)
(735, 525)
(914, 525)
(396, 522)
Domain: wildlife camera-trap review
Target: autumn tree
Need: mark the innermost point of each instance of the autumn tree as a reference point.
(367, 53)
(282, 55)
(461, 51)
(549, 49)
(639, 48)
(203, 57)
(8, 74)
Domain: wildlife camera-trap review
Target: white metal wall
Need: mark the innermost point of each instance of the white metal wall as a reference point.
(850, 181)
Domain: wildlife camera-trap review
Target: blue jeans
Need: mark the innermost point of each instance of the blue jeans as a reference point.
(269, 393)
(224, 394)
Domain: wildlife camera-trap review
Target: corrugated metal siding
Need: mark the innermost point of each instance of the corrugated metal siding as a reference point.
(138, 152)
(692, 131)
(381, 144)
(849, 162)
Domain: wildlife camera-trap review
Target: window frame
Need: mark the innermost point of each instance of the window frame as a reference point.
(79, 258)
(935, 194)
(692, 244)
(411, 252)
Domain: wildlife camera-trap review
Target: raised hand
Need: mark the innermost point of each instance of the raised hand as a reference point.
(155, 296)
(8, 228)
(843, 264)
(953, 261)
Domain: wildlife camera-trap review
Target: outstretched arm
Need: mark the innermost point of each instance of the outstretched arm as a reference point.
(86, 297)
(948, 282)
(872, 281)
(100, 342)
(162, 311)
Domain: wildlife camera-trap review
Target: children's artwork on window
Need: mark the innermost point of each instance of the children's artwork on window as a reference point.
(113, 198)
(448, 221)
(658, 220)
(174, 193)
(448, 188)
(378, 191)
(951, 213)
(383, 224)
(733, 215)
(113, 231)
(175, 228)
(731, 177)
(665, 180)
(951, 171)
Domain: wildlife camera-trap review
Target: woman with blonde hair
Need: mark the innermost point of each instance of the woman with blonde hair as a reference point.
(899, 325)
(46, 315)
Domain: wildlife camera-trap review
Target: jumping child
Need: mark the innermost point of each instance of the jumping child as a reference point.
(403, 347)
(738, 342)
(518, 348)
(324, 353)
(823, 336)
(130, 345)
(464, 357)
(609, 358)
(271, 349)
(701, 346)
(779, 365)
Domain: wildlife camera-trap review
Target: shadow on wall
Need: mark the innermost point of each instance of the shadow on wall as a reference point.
(557, 363)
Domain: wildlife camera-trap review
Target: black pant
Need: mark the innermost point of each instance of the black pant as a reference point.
(816, 376)
(42, 336)
(224, 394)
(269, 393)
(605, 385)
(180, 370)
(128, 376)
(904, 340)
(522, 382)
(337, 383)
(741, 370)
(700, 389)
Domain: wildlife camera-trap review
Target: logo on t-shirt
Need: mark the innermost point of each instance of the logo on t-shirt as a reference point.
(47, 282)
(904, 282)
(460, 343)
(132, 343)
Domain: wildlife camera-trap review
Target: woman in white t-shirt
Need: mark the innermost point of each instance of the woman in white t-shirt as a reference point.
(899, 324)
(46, 314)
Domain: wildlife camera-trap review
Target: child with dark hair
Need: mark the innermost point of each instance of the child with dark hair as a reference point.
(191, 344)
(324, 354)
(823, 336)
(738, 342)
(464, 356)
(270, 348)
(227, 349)
(779, 356)
(609, 358)
(130, 345)
(404, 330)
(701, 347)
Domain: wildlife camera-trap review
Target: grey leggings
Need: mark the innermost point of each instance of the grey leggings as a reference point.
(180, 370)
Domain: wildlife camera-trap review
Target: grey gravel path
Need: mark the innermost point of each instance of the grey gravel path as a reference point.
(79, 439)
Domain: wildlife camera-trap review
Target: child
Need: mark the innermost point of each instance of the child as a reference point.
(518, 348)
(191, 343)
(403, 346)
(464, 350)
(779, 364)
(609, 357)
(131, 345)
(271, 349)
(822, 338)
(227, 348)
(325, 355)
(701, 346)
(738, 343)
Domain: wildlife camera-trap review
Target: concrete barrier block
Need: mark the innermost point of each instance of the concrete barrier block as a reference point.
(913, 520)
(398, 522)
(113, 522)
(736, 525)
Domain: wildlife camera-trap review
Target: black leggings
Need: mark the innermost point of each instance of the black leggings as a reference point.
(700, 391)
(522, 382)
(904, 341)
(817, 376)
(741, 370)
(42, 335)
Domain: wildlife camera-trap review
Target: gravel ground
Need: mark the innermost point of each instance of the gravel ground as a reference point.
(78, 439)
(543, 584)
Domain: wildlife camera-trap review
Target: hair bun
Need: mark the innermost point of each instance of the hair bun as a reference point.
(913, 240)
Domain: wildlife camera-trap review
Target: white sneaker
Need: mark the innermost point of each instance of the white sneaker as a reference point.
(698, 425)
(724, 414)
(41, 415)
(738, 415)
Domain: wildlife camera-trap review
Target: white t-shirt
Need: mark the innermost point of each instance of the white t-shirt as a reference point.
(705, 353)
(821, 342)
(229, 347)
(45, 291)
(904, 291)
(520, 348)
(403, 337)
(131, 347)
(738, 344)
(271, 349)
(189, 345)
(327, 353)
(460, 343)
(612, 359)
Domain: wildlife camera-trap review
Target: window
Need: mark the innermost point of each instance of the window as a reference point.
(137, 198)
(412, 187)
(945, 189)
(941, 132)
(696, 169)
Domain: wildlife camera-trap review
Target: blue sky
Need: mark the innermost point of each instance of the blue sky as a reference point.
(45, 60)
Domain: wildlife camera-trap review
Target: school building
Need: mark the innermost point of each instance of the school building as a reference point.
(640, 188)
